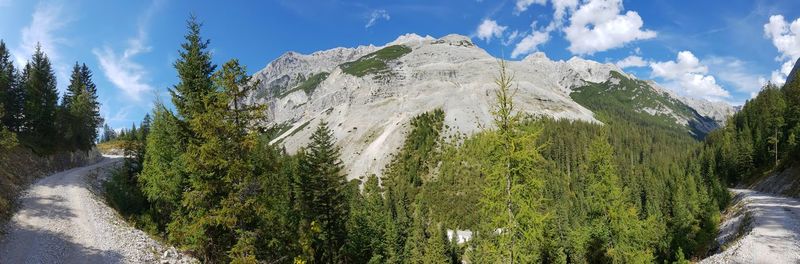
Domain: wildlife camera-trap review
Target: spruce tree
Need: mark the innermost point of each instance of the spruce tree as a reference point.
(79, 115)
(194, 70)
(11, 93)
(162, 181)
(218, 221)
(616, 227)
(323, 185)
(41, 101)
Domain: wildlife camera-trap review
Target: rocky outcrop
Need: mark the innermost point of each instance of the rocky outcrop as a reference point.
(369, 114)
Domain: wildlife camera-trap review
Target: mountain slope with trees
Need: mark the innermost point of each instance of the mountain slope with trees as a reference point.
(39, 135)
(212, 180)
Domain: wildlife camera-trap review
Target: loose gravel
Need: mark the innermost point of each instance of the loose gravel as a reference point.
(767, 229)
(62, 219)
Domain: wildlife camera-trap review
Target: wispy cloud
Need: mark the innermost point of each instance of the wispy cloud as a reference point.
(736, 72)
(377, 15)
(632, 61)
(121, 69)
(46, 20)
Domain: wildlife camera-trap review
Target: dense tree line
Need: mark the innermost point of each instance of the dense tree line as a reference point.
(530, 190)
(31, 110)
(760, 138)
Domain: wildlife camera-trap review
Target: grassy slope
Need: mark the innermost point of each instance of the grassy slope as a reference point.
(375, 63)
(629, 97)
(308, 86)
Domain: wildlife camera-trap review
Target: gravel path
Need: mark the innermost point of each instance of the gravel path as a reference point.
(768, 228)
(61, 220)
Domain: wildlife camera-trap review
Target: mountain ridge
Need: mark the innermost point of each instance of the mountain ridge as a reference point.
(369, 113)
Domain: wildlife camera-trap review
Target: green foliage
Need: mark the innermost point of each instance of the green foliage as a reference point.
(322, 201)
(41, 98)
(375, 63)
(8, 139)
(12, 95)
(627, 98)
(309, 85)
(162, 180)
(511, 199)
(756, 139)
(215, 220)
(31, 109)
(79, 110)
(194, 70)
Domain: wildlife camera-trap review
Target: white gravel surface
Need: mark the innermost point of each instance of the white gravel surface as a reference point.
(61, 220)
(771, 233)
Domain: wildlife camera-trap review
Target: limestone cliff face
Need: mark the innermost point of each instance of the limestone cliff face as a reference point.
(369, 110)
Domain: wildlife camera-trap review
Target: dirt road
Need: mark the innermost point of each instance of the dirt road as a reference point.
(762, 228)
(62, 221)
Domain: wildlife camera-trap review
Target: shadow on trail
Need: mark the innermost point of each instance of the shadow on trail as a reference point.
(49, 247)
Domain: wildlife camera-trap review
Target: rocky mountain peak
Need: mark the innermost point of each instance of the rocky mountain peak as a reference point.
(369, 94)
(411, 39)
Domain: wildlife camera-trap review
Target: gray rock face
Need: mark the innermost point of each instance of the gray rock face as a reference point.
(370, 115)
(794, 72)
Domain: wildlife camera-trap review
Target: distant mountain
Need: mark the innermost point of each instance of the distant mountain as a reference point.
(368, 94)
(793, 74)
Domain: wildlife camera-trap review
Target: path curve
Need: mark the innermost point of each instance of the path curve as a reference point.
(60, 220)
(771, 231)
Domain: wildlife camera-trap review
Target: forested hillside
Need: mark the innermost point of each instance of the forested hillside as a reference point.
(527, 189)
(39, 134)
(761, 139)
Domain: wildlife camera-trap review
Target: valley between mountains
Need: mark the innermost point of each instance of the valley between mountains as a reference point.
(420, 150)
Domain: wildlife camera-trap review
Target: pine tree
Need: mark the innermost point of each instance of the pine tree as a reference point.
(79, 115)
(511, 201)
(615, 222)
(221, 179)
(162, 180)
(366, 225)
(11, 93)
(194, 70)
(436, 245)
(322, 193)
(41, 101)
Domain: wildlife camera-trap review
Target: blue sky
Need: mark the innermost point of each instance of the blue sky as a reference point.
(718, 50)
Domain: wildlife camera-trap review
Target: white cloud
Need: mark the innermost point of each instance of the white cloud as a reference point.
(512, 37)
(121, 69)
(489, 29)
(123, 72)
(598, 25)
(688, 76)
(786, 38)
(594, 25)
(561, 7)
(522, 5)
(735, 72)
(377, 15)
(530, 43)
(46, 19)
(631, 61)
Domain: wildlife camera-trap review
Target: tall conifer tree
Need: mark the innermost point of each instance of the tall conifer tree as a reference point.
(41, 101)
